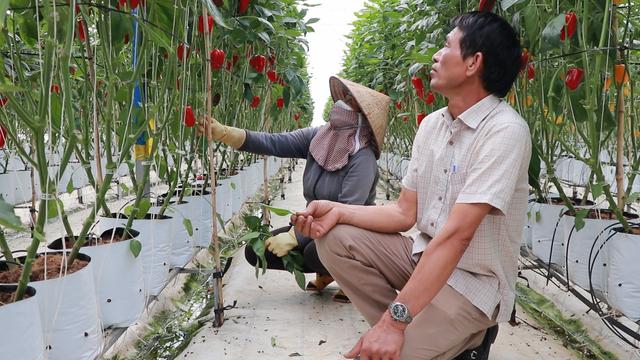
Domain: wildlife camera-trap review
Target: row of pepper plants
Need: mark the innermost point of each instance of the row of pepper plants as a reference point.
(118, 81)
(576, 88)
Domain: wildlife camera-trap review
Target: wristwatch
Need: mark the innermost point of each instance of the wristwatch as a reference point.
(399, 312)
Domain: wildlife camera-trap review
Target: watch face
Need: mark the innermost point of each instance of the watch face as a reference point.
(399, 311)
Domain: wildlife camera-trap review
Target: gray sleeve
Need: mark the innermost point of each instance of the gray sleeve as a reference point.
(294, 144)
(357, 184)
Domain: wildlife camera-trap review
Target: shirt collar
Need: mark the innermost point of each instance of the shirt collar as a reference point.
(474, 115)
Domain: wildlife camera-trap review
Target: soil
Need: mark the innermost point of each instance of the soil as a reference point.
(574, 201)
(53, 264)
(104, 240)
(604, 214)
(635, 231)
(7, 297)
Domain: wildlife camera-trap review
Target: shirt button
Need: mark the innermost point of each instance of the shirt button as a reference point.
(450, 142)
(432, 224)
(445, 171)
(440, 198)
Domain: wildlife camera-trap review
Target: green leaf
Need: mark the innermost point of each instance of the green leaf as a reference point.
(249, 236)
(300, 279)
(156, 36)
(135, 246)
(538, 216)
(70, 187)
(415, 68)
(124, 187)
(551, 33)
(145, 205)
(53, 208)
(633, 197)
(4, 5)
(580, 215)
(252, 222)
(217, 15)
(596, 190)
(8, 217)
(233, 185)
(506, 4)
(273, 341)
(187, 225)
(277, 211)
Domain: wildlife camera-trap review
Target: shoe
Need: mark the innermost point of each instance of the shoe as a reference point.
(341, 297)
(319, 283)
(482, 351)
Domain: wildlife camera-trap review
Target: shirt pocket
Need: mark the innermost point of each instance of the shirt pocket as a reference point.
(456, 184)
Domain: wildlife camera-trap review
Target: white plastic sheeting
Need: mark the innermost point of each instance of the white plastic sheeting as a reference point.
(19, 321)
(578, 250)
(155, 236)
(69, 315)
(182, 244)
(624, 274)
(543, 220)
(120, 302)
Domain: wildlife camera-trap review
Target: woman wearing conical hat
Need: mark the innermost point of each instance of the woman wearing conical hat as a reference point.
(340, 164)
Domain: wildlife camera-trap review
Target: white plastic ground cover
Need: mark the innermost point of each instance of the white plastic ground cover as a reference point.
(543, 220)
(572, 171)
(623, 275)
(182, 244)
(120, 303)
(224, 199)
(578, 249)
(16, 186)
(69, 315)
(155, 236)
(20, 328)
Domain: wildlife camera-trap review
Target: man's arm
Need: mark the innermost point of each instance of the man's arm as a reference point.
(440, 258)
(321, 216)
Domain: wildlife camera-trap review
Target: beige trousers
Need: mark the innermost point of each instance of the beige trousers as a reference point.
(371, 266)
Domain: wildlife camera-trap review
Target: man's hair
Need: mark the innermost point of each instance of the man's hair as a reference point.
(491, 35)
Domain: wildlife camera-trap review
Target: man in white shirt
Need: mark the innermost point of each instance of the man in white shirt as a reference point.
(465, 190)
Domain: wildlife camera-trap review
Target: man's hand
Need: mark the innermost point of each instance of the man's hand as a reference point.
(382, 342)
(317, 219)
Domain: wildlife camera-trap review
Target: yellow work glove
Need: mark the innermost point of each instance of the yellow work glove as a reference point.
(282, 243)
(229, 135)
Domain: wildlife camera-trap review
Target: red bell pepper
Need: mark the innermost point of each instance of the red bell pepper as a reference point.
(486, 5)
(569, 28)
(258, 63)
(531, 72)
(420, 117)
(573, 78)
(429, 99)
(243, 6)
(280, 103)
(201, 28)
(189, 118)
(3, 136)
(273, 76)
(183, 52)
(418, 85)
(216, 57)
(255, 102)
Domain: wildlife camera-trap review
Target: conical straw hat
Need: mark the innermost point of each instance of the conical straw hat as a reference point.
(374, 105)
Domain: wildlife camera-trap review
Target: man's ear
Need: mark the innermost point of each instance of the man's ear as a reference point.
(474, 64)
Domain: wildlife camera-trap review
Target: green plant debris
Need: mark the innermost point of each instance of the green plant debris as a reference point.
(571, 331)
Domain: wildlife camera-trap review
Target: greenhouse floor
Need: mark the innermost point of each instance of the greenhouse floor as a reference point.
(274, 319)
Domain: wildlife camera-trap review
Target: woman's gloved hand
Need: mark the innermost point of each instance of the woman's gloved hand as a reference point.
(229, 135)
(282, 243)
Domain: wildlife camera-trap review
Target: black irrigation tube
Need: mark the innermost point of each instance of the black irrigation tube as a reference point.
(609, 320)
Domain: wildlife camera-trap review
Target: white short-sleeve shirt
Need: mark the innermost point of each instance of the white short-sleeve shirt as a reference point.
(480, 157)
